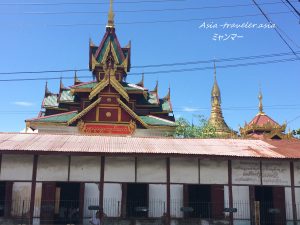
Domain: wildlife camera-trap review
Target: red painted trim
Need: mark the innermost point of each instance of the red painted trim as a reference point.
(168, 192)
(230, 190)
(294, 206)
(33, 187)
(101, 184)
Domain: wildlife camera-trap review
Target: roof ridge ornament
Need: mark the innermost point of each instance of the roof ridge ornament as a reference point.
(111, 16)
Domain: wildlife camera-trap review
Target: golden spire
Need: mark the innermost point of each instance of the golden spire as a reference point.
(216, 117)
(260, 98)
(111, 15)
(215, 93)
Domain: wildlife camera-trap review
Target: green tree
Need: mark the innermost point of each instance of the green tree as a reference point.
(201, 129)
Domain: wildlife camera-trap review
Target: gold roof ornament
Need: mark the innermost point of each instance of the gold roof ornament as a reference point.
(168, 96)
(260, 106)
(111, 15)
(47, 92)
(216, 117)
(156, 87)
(76, 80)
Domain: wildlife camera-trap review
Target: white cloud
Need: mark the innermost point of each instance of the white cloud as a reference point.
(23, 103)
(190, 109)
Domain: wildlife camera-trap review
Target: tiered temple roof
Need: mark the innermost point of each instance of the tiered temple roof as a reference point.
(262, 126)
(107, 104)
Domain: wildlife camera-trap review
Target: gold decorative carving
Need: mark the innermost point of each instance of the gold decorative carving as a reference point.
(108, 114)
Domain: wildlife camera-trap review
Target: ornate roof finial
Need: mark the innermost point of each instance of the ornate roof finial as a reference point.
(168, 96)
(61, 85)
(156, 87)
(260, 98)
(141, 83)
(47, 92)
(111, 15)
(76, 80)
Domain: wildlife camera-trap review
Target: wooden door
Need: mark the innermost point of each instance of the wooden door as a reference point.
(279, 205)
(48, 202)
(217, 201)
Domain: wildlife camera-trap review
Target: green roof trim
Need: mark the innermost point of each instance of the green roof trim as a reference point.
(131, 87)
(89, 85)
(66, 96)
(50, 101)
(156, 121)
(106, 45)
(58, 118)
(152, 98)
(166, 106)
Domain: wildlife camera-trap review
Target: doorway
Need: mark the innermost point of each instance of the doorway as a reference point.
(137, 200)
(61, 203)
(269, 205)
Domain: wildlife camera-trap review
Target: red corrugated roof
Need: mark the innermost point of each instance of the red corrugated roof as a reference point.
(134, 145)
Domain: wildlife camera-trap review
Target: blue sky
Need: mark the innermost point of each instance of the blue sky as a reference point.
(56, 37)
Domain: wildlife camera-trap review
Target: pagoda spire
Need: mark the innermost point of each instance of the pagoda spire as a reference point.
(260, 98)
(111, 16)
(216, 117)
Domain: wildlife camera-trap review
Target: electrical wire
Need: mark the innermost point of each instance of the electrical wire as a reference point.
(142, 10)
(85, 3)
(161, 72)
(161, 65)
(279, 34)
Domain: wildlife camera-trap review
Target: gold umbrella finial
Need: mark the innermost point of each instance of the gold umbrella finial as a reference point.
(111, 15)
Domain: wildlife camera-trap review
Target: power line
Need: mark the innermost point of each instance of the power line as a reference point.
(143, 10)
(164, 21)
(289, 2)
(161, 65)
(160, 72)
(86, 3)
(288, 8)
(279, 34)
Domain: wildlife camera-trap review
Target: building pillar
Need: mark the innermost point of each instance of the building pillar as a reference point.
(294, 206)
(33, 188)
(230, 195)
(101, 184)
(168, 192)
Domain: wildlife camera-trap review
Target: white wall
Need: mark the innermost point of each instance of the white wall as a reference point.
(21, 194)
(119, 169)
(151, 170)
(157, 200)
(297, 173)
(213, 171)
(276, 173)
(246, 172)
(52, 168)
(91, 198)
(85, 168)
(297, 197)
(16, 167)
(241, 201)
(112, 199)
(288, 203)
(176, 200)
(184, 170)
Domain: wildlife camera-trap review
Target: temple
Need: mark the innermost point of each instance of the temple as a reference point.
(216, 117)
(262, 126)
(108, 104)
